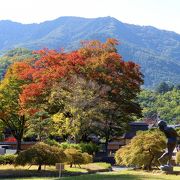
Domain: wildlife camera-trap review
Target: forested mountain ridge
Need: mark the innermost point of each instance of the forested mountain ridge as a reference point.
(157, 51)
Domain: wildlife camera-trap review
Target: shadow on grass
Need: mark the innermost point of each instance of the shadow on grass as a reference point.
(34, 173)
(122, 176)
(26, 173)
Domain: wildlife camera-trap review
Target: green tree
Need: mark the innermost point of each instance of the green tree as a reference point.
(12, 56)
(147, 100)
(163, 87)
(143, 150)
(81, 112)
(12, 114)
(177, 86)
(167, 105)
(39, 124)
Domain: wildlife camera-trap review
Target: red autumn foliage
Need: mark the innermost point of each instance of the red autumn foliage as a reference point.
(95, 60)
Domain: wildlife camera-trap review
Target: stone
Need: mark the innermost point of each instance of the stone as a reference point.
(167, 168)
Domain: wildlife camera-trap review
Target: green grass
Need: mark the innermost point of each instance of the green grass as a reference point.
(176, 168)
(50, 171)
(122, 175)
(103, 165)
(126, 175)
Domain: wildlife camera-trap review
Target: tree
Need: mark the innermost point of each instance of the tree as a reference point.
(147, 100)
(12, 114)
(82, 103)
(177, 86)
(166, 105)
(12, 56)
(143, 150)
(96, 62)
(163, 87)
(122, 81)
(39, 125)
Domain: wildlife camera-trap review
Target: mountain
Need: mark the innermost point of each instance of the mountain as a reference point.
(157, 51)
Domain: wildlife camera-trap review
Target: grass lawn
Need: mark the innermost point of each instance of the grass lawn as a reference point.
(122, 175)
(9, 171)
(126, 175)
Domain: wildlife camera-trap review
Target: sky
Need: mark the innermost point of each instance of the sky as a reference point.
(163, 14)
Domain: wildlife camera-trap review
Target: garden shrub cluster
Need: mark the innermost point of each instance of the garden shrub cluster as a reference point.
(44, 154)
(7, 159)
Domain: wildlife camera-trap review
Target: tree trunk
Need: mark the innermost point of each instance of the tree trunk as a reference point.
(150, 164)
(39, 168)
(106, 144)
(18, 147)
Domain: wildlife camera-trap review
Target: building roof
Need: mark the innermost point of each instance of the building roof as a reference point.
(138, 124)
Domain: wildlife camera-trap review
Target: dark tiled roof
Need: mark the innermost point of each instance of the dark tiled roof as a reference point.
(138, 124)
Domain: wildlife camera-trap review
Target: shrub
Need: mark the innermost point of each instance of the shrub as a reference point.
(87, 158)
(52, 142)
(41, 154)
(74, 156)
(7, 159)
(66, 145)
(143, 150)
(90, 148)
(178, 157)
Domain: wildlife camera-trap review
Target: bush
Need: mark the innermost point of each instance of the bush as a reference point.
(74, 156)
(178, 157)
(52, 142)
(66, 145)
(143, 150)
(7, 159)
(41, 154)
(90, 148)
(87, 158)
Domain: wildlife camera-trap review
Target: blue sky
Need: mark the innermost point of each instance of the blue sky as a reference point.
(163, 14)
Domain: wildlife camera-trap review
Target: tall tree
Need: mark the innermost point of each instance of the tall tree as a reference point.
(97, 62)
(82, 101)
(123, 79)
(11, 112)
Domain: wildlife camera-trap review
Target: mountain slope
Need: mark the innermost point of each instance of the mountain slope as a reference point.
(157, 51)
